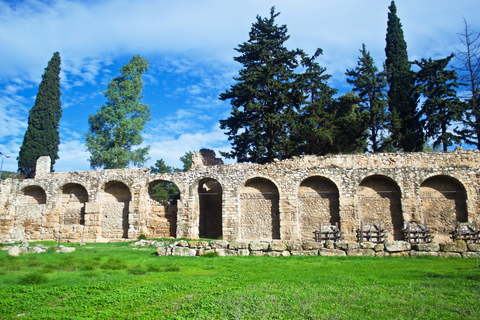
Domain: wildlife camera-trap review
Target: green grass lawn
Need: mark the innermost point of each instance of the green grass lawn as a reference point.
(114, 281)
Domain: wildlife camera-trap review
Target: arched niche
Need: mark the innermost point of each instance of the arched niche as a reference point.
(444, 202)
(260, 217)
(318, 202)
(162, 204)
(33, 195)
(73, 199)
(210, 208)
(116, 201)
(379, 199)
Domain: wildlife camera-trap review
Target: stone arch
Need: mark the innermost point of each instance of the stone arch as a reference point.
(210, 195)
(116, 203)
(379, 199)
(162, 206)
(73, 199)
(33, 195)
(318, 202)
(259, 210)
(443, 202)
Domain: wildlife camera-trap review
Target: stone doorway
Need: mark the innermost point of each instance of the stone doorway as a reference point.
(210, 206)
(116, 205)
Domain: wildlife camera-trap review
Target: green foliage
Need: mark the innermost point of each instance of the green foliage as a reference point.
(161, 167)
(187, 160)
(441, 105)
(33, 278)
(11, 175)
(265, 95)
(142, 237)
(404, 120)
(166, 192)
(42, 137)
(370, 85)
(115, 130)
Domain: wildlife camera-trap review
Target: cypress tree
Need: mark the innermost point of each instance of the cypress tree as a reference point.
(42, 137)
(404, 120)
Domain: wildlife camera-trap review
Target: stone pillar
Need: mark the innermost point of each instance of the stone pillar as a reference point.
(42, 168)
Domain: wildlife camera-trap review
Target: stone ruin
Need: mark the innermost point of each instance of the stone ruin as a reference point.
(284, 200)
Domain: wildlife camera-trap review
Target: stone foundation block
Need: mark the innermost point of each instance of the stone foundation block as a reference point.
(304, 253)
(235, 245)
(341, 245)
(400, 254)
(379, 247)
(331, 252)
(456, 246)
(258, 246)
(162, 251)
(312, 245)
(219, 244)
(183, 252)
(367, 245)
(470, 254)
(277, 246)
(361, 252)
(286, 253)
(257, 253)
(473, 246)
(198, 244)
(273, 253)
(449, 254)
(426, 247)
(329, 244)
(182, 243)
(382, 254)
(423, 253)
(225, 252)
(294, 247)
(397, 246)
(243, 252)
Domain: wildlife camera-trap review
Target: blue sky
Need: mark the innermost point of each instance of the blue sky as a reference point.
(190, 45)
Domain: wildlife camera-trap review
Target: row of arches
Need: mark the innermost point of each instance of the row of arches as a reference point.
(378, 198)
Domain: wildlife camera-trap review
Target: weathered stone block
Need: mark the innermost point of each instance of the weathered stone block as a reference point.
(449, 254)
(426, 247)
(379, 247)
(257, 253)
(198, 244)
(304, 253)
(331, 252)
(182, 243)
(222, 252)
(286, 253)
(183, 252)
(277, 246)
(163, 251)
(258, 246)
(361, 252)
(312, 245)
(381, 254)
(243, 252)
(274, 253)
(65, 249)
(353, 246)
(341, 245)
(329, 244)
(397, 246)
(15, 251)
(400, 254)
(294, 247)
(423, 253)
(367, 245)
(238, 244)
(456, 246)
(219, 244)
(473, 246)
(469, 254)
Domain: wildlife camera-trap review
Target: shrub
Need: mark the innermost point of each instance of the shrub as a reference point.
(142, 237)
(33, 278)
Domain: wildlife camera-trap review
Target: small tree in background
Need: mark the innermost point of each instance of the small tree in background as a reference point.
(370, 85)
(115, 130)
(42, 137)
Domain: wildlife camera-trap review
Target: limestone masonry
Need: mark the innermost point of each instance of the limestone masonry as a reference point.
(285, 200)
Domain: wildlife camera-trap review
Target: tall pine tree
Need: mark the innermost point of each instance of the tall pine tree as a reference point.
(441, 106)
(42, 137)
(115, 130)
(370, 86)
(404, 119)
(265, 97)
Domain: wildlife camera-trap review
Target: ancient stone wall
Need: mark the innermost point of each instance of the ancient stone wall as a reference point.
(284, 200)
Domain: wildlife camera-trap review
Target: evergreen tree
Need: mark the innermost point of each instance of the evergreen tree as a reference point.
(265, 96)
(404, 120)
(42, 137)
(441, 106)
(314, 133)
(469, 71)
(116, 128)
(370, 85)
(187, 160)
